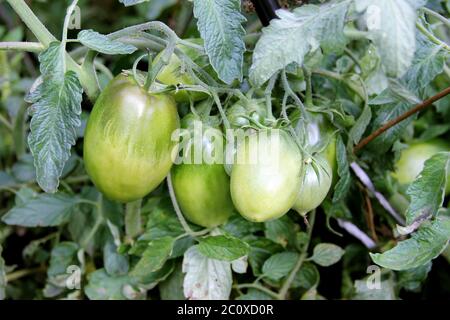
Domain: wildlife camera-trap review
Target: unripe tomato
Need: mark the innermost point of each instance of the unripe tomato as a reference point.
(412, 160)
(266, 176)
(250, 108)
(127, 144)
(173, 73)
(320, 135)
(316, 182)
(203, 189)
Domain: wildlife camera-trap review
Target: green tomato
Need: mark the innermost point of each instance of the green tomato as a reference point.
(412, 160)
(266, 176)
(251, 108)
(203, 189)
(316, 182)
(127, 144)
(172, 74)
(320, 136)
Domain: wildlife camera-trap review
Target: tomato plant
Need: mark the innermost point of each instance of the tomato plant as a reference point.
(312, 150)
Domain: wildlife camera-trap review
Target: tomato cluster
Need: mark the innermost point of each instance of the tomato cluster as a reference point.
(129, 150)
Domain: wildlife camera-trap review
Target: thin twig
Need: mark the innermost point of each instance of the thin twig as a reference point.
(402, 117)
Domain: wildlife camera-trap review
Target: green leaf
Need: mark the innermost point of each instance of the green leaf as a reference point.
(223, 247)
(343, 185)
(116, 264)
(279, 265)
(163, 222)
(101, 43)
(424, 245)
(295, 34)
(392, 29)
(361, 124)
(307, 277)
(205, 279)
(62, 256)
(101, 286)
(428, 62)
(220, 26)
(43, 211)
(128, 3)
(327, 254)
(260, 250)
(281, 231)
(427, 192)
(412, 279)
(239, 227)
(154, 257)
(152, 279)
(2, 276)
(51, 65)
(55, 118)
(172, 287)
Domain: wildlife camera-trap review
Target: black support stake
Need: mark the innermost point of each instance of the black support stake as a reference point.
(266, 10)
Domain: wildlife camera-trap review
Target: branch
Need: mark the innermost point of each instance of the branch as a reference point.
(402, 117)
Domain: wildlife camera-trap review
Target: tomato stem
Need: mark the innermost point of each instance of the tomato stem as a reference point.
(148, 81)
(287, 284)
(133, 223)
(180, 216)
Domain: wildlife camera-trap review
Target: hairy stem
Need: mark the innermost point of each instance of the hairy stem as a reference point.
(22, 46)
(29, 18)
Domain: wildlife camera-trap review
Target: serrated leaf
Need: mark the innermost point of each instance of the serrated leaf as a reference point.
(205, 279)
(279, 265)
(2, 276)
(291, 37)
(154, 256)
(424, 245)
(428, 62)
(53, 128)
(343, 185)
(101, 43)
(223, 247)
(128, 3)
(327, 254)
(51, 62)
(427, 192)
(220, 25)
(55, 113)
(361, 124)
(43, 211)
(392, 28)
